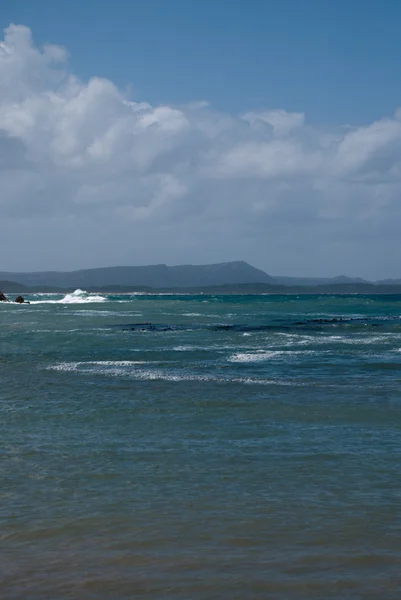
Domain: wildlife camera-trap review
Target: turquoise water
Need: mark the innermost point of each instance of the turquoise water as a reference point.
(200, 447)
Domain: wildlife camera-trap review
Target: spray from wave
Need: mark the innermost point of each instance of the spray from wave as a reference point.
(76, 297)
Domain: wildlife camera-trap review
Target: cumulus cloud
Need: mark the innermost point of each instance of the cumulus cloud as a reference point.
(91, 177)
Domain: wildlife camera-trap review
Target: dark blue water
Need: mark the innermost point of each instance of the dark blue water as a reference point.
(200, 447)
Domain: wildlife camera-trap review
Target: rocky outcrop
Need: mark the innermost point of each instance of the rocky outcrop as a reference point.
(18, 300)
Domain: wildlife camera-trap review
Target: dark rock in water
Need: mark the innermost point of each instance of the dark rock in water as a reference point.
(3, 298)
(20, 300)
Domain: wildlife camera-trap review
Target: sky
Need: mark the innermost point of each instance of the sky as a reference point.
(186, 131)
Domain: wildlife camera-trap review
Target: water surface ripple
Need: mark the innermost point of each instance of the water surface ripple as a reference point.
(200, 447)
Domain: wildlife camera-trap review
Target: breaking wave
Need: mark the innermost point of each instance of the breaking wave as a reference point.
(77, 297)
(130, 370)
(258, 356)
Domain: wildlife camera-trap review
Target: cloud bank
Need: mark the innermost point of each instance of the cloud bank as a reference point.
(89, 177)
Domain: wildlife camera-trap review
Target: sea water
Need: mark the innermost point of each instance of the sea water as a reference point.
(200, 447)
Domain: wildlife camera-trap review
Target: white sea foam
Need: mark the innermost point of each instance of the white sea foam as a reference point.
(75, 330)
(257, 356)
(77, 297)
(212, 348)
(354, 340)
(86, 366)
(184, 348)
(262, 355)
(118, 369)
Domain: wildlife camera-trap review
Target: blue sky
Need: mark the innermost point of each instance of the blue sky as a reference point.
(335, 60)
(178, 131)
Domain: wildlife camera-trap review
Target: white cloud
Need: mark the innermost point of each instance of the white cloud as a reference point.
(273, 159)
(89, 177)
(281, 121)
(371, 150)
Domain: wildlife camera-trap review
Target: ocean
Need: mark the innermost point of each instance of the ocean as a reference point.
(200, 447)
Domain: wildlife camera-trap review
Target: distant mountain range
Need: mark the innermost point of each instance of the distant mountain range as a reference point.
(154, 276)
(227, 276)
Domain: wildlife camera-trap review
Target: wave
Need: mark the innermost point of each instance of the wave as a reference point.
(257, 356)
(77, 297)
(86, 366)
(264, 355)
(282, 326)
(127, 369)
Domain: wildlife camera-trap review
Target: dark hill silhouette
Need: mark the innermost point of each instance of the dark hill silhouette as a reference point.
(155, 276)
(12, 286)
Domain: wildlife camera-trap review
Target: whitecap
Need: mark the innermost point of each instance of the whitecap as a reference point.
(118, 370)
(184, 348)
(77, 297)
(258, 356)
(73, 366)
